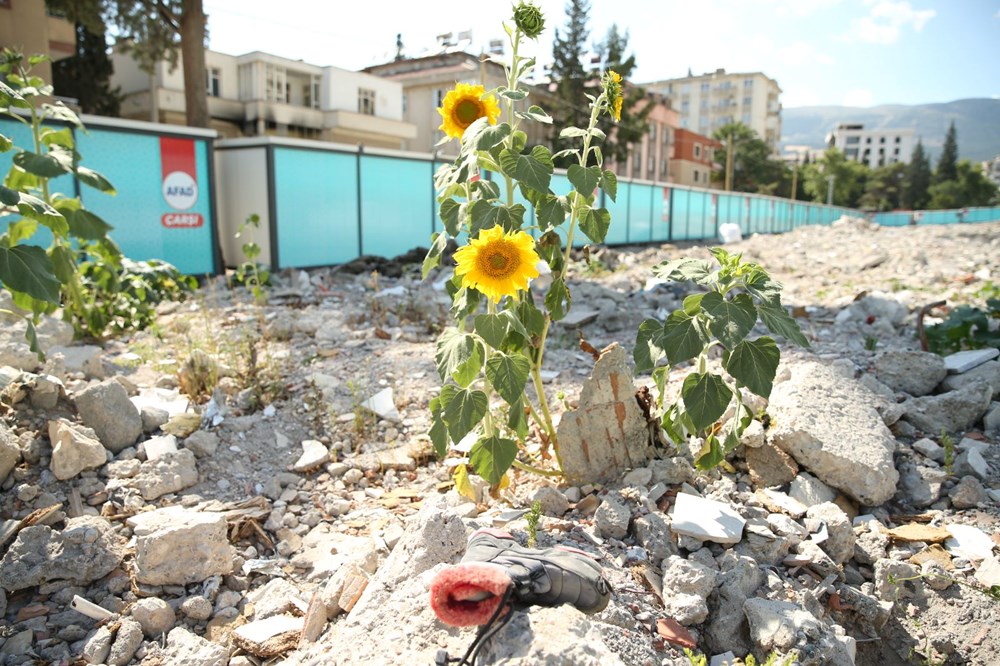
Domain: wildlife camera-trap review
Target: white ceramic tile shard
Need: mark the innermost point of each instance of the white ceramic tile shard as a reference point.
(969, 542)
(157, 447)
(382, 405)
(964, 361)
(314, 453)
(706, 520)
(988, 573)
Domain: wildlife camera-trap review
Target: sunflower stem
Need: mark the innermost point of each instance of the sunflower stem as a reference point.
(491, 308)
(535, 470)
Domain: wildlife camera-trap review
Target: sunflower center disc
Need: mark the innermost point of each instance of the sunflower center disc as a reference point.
(467, 111)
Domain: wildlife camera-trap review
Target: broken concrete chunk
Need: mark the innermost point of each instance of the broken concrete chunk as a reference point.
(382, 405)
(964, 361)
(269, 637)
(106, 409)
(314, 454)
(706, 520)
(176, 546)
(157, 447)
(88, 549)
(74, 449)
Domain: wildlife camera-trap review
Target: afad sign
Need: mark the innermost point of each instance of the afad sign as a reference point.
(180, 186)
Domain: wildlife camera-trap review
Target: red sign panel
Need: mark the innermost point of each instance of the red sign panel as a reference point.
(182, 220)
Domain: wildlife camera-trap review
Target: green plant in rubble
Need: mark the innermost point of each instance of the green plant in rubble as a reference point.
(250, 272)
(497, 352)
(532, 518)
(948, 444)
(42, 279)
(738, 294)
(966, 327)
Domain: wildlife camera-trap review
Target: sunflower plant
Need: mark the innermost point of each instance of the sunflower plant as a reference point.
(496, 346)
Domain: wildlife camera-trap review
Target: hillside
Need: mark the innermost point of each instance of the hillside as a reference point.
(976, 120)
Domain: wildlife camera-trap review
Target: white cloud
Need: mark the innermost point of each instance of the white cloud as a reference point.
(859, 97)
(800, 8)
(886, 21)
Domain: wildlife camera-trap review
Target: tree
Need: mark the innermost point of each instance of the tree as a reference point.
(884, 188)
(970, 187)
(635, 106)
(753, 169)
(849, 179)
(917, 180)
(946, 166)
(152, 31)
(568, 71)
(86, 76)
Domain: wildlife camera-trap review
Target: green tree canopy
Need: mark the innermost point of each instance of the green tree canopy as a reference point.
(970, 187)
(849, 179)
(753, 167)
(947, 163)
(87, 74)
(569, 72)
(918, 179)
(635, 113)
(884, 188)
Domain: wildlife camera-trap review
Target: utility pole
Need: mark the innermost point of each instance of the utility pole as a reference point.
(795, 178)
(729, 162)
(829, 189)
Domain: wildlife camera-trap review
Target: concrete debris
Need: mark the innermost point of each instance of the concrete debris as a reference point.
(706, 520)
(74, 449)
(175, 546)
(86, 550)
(269, 637)
(105, 408)
(382, 405)
(913, 372)
(964, 361)
(969, 542)
(314, 454)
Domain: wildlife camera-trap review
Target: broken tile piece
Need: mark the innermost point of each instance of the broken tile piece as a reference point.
(780, 502)
(969, 542)
(314, 453)
(918, 532)
(964, 361)
(269, 637)
(674, 632)
(706, 520)
(157, 447)
(382, 405)
(988, 572)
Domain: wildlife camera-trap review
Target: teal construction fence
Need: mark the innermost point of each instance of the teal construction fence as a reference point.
(324, 204)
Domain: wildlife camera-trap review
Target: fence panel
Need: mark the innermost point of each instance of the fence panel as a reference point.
(396, 199)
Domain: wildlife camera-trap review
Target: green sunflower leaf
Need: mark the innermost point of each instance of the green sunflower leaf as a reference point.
(683, 270)
(648, 350)
(682, 337)
(710, 455)
(551, 213)
(439, 242)
(595, 224)
(557, 299)
(95, 180)
(492, 136)
(508, 374)
(454, 350)
(27, 269)
(731, 319)
(706, 397)
(463, 410)
(609, 183)
(439, 430)
(534, 170)
(448, 212)
(50, 165)
(584, 179)
(754, 364)
(491, 457)
(779, 322)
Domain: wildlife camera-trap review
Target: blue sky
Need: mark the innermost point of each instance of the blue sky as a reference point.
(853, 52)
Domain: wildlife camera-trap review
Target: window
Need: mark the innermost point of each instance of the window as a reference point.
(696, 175)
(685, 108)
(898, 139)
(439, 98)
(881, 139)
(366, 101)
(704, 87)
(852, 140)
(404, 102)
(652, 131)
(747, 101)
(747, 84)
(868, 139)
(637, 162)
(212, 78)
(310, 94)
(663, 166)
(746, 118)
(275, 86)
(651, 167)
(697, 150)
(665, 135)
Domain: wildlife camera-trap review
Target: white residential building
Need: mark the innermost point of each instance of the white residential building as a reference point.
(992, 169)
(874, 147)
(263, 94)
(709, 101)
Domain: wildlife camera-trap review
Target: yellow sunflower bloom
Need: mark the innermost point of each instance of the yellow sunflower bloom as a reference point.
(612, 83)
(463, 106)
(498, 264)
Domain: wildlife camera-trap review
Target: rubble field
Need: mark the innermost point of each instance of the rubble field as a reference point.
(252, 482)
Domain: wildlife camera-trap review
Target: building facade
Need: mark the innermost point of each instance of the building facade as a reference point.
(694, 159)
(260, 94)
(709, 101)
(427, 79)
(874, 147)
(27, 26)
(992, 169)
(652, 158)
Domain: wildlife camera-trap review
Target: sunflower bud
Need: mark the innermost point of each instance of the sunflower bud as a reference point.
(612, 85)
(529, 20)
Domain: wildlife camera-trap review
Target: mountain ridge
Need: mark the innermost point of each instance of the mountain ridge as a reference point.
(977, 123)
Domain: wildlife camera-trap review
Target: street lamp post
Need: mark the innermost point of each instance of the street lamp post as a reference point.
(829, 189)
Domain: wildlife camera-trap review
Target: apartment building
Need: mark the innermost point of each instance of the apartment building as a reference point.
(427, 79)
(258, 94)
(652, 158)
(28, 27)
(992, 169)
(694, 159)
(708, 101)
(874, 147)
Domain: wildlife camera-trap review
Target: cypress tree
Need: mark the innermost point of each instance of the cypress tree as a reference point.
(947, 166)
(86, 76)
(917, 179)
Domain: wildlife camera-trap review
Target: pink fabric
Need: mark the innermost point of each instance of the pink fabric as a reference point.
(465, 595)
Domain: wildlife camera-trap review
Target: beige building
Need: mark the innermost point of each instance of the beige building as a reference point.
(26, 26)
(426, 80)
(260, 94)
(709, 101)
(653, 158)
